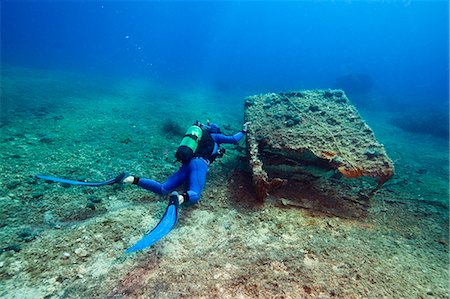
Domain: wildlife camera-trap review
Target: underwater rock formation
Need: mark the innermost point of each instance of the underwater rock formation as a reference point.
(312, 140)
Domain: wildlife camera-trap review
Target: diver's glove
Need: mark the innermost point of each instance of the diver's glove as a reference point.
(245, 127)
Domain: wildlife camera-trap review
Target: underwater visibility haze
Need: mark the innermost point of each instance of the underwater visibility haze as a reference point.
(90, 89)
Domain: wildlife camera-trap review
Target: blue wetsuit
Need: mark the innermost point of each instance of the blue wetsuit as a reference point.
(193, 172)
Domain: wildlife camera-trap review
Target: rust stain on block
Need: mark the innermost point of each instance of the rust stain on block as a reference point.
(297, 132)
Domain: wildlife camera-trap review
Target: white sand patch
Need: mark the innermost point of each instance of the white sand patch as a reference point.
(26, 293)
(101, 266)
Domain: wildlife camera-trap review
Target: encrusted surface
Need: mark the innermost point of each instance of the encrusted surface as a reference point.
(314, 127)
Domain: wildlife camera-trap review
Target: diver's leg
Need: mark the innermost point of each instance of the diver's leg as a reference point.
(176, 179)
(149, 184)
(171, 183)
(198, 169)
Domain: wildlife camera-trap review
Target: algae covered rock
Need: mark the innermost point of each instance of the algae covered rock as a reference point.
(307, 135)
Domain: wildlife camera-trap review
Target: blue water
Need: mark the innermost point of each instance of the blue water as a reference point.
(259, 46)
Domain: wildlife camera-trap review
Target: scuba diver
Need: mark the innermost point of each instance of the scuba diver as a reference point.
(198, 149)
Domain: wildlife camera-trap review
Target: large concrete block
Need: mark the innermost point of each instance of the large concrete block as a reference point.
(313, 138)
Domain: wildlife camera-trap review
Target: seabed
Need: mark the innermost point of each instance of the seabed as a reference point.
(68, 242)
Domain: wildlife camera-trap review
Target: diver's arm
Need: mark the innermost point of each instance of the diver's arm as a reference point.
(220, 138)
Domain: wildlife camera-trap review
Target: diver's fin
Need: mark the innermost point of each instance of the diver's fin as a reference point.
(165, 225)
(115, 180)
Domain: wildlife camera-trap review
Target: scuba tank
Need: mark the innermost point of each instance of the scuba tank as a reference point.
(189, 143)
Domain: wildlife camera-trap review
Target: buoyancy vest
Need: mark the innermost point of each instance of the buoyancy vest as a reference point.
(206, 146)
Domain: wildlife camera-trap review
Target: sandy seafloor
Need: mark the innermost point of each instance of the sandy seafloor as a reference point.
(227, 246)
